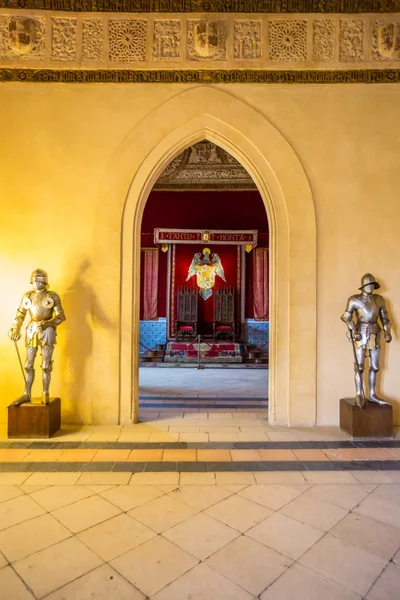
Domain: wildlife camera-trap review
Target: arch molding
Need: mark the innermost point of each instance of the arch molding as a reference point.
(212, 114)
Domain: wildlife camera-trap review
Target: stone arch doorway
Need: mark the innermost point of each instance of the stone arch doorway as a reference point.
(215, 115)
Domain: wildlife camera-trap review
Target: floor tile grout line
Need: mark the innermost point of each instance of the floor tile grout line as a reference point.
(380, 575)
(363, 596)
(23, 581)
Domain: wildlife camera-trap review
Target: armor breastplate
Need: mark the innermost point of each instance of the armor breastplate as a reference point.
(40, 307)
(367, 310)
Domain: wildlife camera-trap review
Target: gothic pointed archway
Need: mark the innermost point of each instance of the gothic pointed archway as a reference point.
(191, 116)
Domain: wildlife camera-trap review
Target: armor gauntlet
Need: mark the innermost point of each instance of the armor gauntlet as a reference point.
(18, 321)
(19, 318)
(386, 324)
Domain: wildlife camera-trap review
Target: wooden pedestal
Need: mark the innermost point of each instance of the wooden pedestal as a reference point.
(374, 420)
(34, 420)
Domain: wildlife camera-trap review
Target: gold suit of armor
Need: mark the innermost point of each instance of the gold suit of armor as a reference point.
(46, 313)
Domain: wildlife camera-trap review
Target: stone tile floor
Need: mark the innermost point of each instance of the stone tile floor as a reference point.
(271, 535)
(214, 383)
(208, 426)
(200, 536)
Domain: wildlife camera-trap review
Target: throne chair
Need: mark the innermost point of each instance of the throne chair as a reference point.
(224, 313)
(187, 315)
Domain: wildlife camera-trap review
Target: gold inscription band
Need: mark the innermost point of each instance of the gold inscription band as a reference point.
(206, 6)
(200, 76)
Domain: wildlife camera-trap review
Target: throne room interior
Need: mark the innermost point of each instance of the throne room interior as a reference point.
(204, 189)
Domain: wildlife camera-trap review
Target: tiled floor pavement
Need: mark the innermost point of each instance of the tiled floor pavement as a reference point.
(200, 536)
(72, 527)
(213, 383)
(196, 425)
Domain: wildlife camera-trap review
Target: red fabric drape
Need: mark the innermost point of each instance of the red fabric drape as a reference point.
(150, 284)
(260, 284)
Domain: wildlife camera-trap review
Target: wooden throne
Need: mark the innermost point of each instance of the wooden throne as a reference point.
(186, 311)
(224, 313)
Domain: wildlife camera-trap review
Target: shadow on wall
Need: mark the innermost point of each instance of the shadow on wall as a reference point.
(80, 303)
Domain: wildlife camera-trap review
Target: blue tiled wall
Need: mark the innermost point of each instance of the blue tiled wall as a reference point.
(256, 332)
(152, 333)
(155, 332)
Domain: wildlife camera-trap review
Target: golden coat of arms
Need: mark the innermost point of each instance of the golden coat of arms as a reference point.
(206, 270)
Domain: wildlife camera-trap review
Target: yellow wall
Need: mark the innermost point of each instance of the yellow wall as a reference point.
(57, 143)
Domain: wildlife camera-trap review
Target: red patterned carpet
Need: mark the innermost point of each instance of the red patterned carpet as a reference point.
(213, 352)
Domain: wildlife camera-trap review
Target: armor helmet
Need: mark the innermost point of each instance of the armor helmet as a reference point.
(39, 275)
(369, 279)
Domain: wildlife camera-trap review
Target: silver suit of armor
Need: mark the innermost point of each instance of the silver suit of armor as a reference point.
(46, 313)
(362, 316)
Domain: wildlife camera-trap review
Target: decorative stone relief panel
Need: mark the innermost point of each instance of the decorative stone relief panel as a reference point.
(345, 48)
(287, 40)
(386, 40)
(204, 166)
(63, 39)
(127, 40)
(323, 40)
(22, 37)
(92, 39)
(167, 40)
(247, 39)
(351, 46)
(206, 40)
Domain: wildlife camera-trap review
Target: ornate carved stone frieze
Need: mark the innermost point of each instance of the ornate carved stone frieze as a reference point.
(92, 39)
(127, 40)
(287, 40)
(323, 40)
(167, 40)
(113, 40)
(22, 37)
(63, 39)
(247, 39)
(386, 40)
(351, 46)
(206, 40)
(220, 76)
(204, 166)
(209, 6)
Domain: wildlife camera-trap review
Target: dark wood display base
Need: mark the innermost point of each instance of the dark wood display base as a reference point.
(34, 420)
(374, 420)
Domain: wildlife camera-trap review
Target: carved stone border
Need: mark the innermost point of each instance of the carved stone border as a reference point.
(198, 76)
(207, 6)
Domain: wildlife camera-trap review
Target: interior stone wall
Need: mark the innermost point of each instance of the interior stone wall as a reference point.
(58, 141)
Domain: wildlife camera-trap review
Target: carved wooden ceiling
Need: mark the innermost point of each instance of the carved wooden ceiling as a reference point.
(204, 166)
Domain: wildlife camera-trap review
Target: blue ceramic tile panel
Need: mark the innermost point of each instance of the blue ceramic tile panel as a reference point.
(256, 332)
(152, 333)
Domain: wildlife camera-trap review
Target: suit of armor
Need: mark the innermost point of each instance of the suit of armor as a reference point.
(46, 313)
(367, 308)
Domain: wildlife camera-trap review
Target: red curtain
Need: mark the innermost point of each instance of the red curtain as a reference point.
(260, 284)
(150, 284)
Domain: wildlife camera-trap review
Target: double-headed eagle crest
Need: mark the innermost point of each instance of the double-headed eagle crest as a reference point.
(206, 271)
